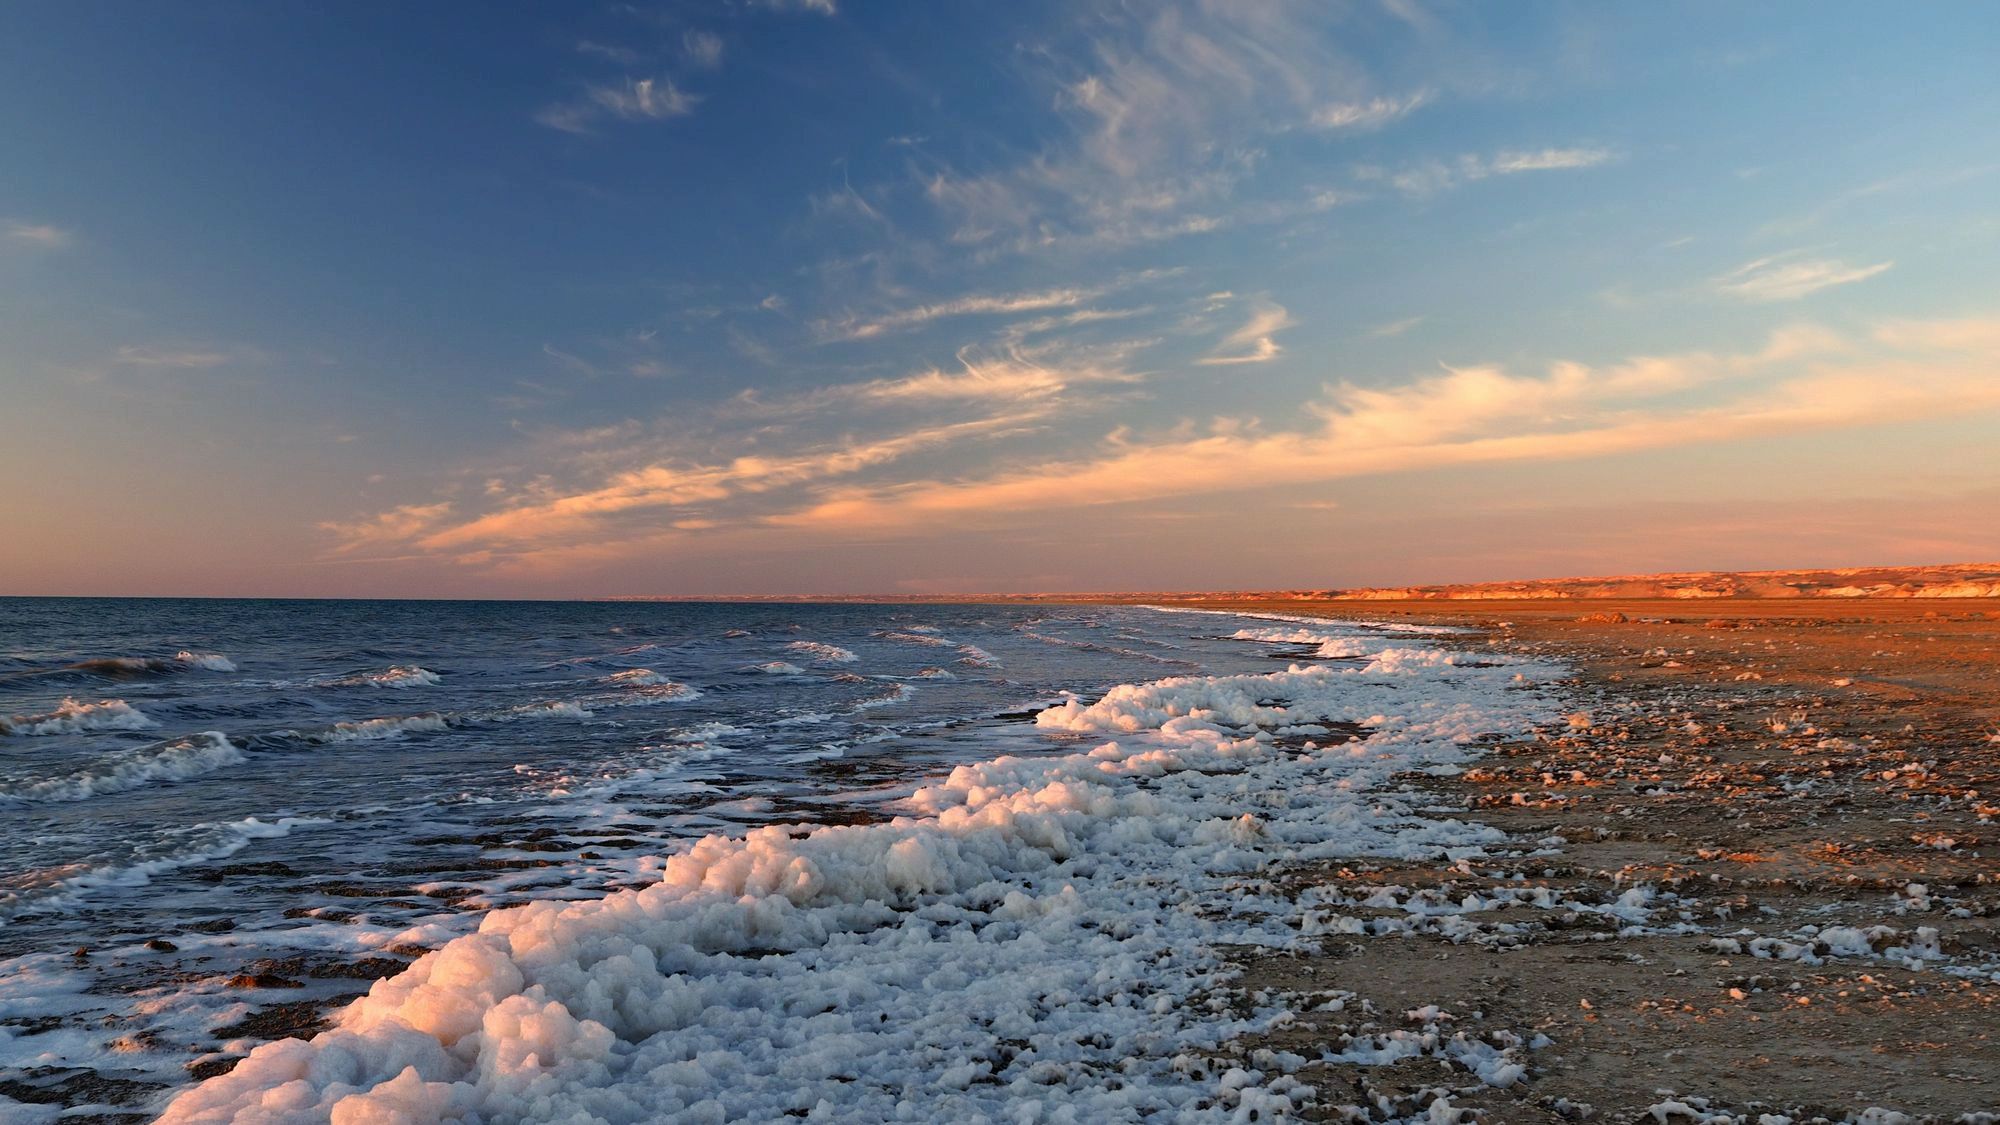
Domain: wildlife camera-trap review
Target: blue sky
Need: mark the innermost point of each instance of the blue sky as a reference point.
(528, 299)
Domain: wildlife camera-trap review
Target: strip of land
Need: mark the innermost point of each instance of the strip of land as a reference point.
(1766, 830)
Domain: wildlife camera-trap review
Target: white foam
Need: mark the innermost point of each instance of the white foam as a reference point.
(642, 687)
(1028, 930)
(822, 653)
(385, 729)
(1303, 619)
(206, 842)
(75, 717)
(972, 656)
(913, 637)
(1331, 646)
(901, 693)
(400, 676)
(177, 760)
(210, 661)
(549, 709)
(668, 692)
(638, 677)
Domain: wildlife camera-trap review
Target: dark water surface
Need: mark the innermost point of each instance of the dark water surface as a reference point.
(295, 795)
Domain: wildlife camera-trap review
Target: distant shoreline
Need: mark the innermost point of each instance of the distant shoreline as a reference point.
(1951, 581)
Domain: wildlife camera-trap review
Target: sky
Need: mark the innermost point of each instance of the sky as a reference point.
(839, 296)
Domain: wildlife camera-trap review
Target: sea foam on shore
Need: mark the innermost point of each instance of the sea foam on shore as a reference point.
(1033, 932)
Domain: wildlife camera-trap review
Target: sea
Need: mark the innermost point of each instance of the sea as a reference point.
(221, 819)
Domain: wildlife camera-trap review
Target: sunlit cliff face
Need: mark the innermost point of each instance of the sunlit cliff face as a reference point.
(785, 299)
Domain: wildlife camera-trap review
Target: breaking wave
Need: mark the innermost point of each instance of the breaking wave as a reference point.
(203, 843)
(822, 653)
(1331, 646)
(75, 717)
(384, 729)
(400, 676)
(178, 760)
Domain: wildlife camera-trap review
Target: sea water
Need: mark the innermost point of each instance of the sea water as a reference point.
(847, 831)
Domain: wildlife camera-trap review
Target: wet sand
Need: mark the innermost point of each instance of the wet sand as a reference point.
(1766, 830)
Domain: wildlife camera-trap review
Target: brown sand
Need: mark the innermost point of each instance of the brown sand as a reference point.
(1772, 765)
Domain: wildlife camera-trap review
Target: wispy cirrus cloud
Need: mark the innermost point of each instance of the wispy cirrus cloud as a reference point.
(396, 526)
(865, 326)
(1395, 327)
(642, 99)
(184, 357)
(638, 501)
(1018, 375)
(1372, 113)
(1786, 277)
(710, 470)
(975, 304)
(47, 236)
(1433, 176)
(702, 49)
(1166, 110)
(1252, 343)
(1802, 379)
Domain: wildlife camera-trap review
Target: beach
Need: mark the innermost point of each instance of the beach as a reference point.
(1797, 796)
(1235, 859)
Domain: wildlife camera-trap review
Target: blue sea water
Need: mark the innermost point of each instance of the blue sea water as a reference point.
(307, 791)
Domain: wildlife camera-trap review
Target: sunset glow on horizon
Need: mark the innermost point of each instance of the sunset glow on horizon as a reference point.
(819, 296)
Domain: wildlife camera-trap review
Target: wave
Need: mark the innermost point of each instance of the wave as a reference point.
(780, 668)
(1302, 619)
(75, 717)
(668, 692)
(384, 729)
(134, 667)
(1041, 920)
(400, 676)
(638, 677)
(822, 653)
(177, 760)
(1331, 646)
(202, 843)
(643, 687)
(912, 637)
(1108, 650)
(901, 693)
(548, 709)
(972, 656)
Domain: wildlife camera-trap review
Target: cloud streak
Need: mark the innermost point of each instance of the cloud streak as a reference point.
(1252, 343)
(1800, 379)
(43, 235)
(1433, 176)
(642, 99)
(1787, 278)
(1371, 114)
(864, 328)
(1471, 416)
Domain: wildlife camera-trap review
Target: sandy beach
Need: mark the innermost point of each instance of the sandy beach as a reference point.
(1787, 805)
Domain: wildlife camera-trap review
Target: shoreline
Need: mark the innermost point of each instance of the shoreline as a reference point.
(1812, 783)
(1795, 801)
